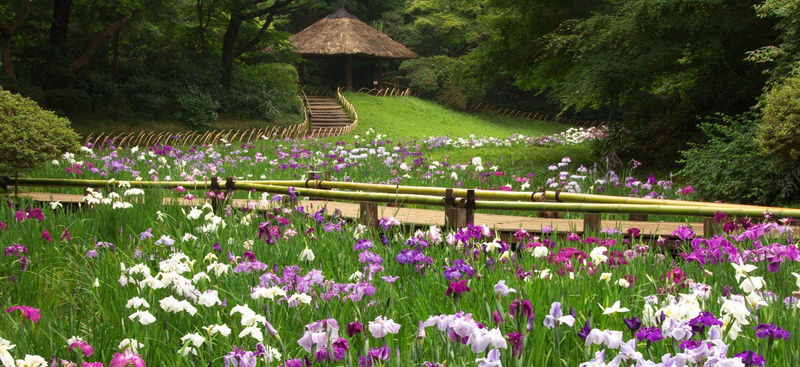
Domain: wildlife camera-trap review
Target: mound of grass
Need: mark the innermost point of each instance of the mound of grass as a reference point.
(411, 118)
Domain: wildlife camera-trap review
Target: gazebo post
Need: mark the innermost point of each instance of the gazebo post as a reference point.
(380, 73)
(349, 72)
(301, 72)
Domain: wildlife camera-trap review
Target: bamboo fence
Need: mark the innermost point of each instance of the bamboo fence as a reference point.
(202, 137)
(394, 92)
(510, 112)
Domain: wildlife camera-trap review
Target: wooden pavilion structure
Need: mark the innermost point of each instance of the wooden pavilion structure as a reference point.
(342, 34)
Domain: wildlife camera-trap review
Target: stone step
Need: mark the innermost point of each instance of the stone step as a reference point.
(326, 121)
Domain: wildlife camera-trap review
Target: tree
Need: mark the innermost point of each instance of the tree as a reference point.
(445, 27)
(30, 135)
(6, 31)
(242, 11)
(661, 62)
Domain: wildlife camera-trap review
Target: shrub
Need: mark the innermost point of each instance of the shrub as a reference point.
(731, 167)
(262, 91)
(197, 108)
(778, 131)
(448, 80)
(30, 135)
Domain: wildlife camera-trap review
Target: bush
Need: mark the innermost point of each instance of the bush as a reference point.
(778, 131)
(446, 79)
(197, 108)
(30, 135)
(262, 91)
(731, 167)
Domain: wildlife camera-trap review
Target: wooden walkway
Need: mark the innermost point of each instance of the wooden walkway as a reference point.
(426, 217)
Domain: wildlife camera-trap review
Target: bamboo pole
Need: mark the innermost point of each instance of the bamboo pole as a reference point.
(608, 199)
(702, 211)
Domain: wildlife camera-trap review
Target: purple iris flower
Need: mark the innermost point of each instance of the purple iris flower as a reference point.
(651, 334)
(240, 358)
(146, 234)
(703, 320)
(330, 226)
(771, 331)
(633, 324)
(751, 358)
(362, 245)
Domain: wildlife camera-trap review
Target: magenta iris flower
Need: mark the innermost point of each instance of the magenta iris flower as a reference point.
(354, 328)
(28, 312)
(683, 232)
(87, 349)
(127, 358)
(65, 235)
(457, 287)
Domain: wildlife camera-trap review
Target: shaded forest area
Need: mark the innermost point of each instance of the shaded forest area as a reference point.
(708, 86)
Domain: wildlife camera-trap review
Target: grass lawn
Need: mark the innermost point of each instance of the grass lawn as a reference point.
(410, 117)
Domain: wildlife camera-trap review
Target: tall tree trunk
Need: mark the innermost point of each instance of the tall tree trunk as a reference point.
(8, 65)
(5, 40)
(203, 24)
(99, 41)
(115, 52)
(228, 52)
(60, 23)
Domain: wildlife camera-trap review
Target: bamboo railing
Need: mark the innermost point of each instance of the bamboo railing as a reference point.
(510, 112)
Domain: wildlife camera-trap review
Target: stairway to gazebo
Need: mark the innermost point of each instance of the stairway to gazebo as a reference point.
(326, 113)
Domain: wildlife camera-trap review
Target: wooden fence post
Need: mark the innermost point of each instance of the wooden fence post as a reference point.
(368, 213)
(215, 191)
(229, 190)
(451, 211)
(591, 222)
(470, 206)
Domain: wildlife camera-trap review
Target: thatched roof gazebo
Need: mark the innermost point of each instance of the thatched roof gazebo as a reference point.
(342, 34)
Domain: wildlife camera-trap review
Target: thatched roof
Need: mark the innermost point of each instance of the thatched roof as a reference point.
(341, 33)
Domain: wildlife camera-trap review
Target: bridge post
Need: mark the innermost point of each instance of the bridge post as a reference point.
(229, 190)
(368, 213)
(591, 222)
(637, 217)
(470, 207)
(215, 191)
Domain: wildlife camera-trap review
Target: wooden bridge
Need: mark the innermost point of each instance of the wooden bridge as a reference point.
(505, 224)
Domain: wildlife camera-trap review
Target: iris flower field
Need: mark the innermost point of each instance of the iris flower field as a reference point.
(125, 280)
